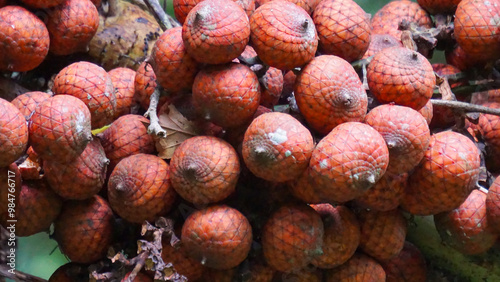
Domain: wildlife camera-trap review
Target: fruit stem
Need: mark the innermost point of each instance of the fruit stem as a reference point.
(164, 20)
(466, 107)
(154, 125)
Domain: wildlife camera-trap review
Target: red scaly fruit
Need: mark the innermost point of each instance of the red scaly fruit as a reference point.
(183, 7)
(379, 42)
(360, 268)
(91, 84)
(59, 129)
(467, 228)
(445, 176)
(259, 271)
(24, 39)
(307, 5)
(329, 92)
(439, 7)
(27, 102)
(487, 96)
(216, 31)
(288, 84)
(308, 190)
(71, 26)
(489, 126)
(386, 194)
(84, 229)
(144, 84)
(427, 112)
(292, 237)
(82, 178)
(272, 86)
(70, 272)
(277, 147)
(183, 264)
(228, 95)
(13, 133)
(219, 237)
(493, 205)
(139, 188)
(307, 274)
(283, 35)
(124, 84)
(458, 58)
(343, 29)
(342, 235)
(42, 4)
(409, 265)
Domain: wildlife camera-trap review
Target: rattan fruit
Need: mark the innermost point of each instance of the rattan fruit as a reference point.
(458, 58)
(271, 85)
(277, 147)
(445, 176)
(467, 228)
(70, 272)
(409, 265)
(139, 188)
(283, 35)
(123, 80)
(386, 194)
(204, 169)
(13, 133)
(144, 84)
(477, 29)
(493, 205)
(84, 229)
(219, 237)
(343, 29)
(183, 264)
(329, 92)
(489, 127)
(307, 5)
(359, 268)
(59, 129)
(439, 7)
(24, 39)
(292, 237)
(405, 132)
(216, 31)
(83, 177)
(259, 271)
(402, 76)
(27, 102)
(227, 95)
(379, 42)
(183, 7)
(443, 117)
(91, 84)
(427, 112)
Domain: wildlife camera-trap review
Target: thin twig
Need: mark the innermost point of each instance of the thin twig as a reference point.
(360, 63)
(18, 275)
(154, 126)
(160, 15)
(466, 107)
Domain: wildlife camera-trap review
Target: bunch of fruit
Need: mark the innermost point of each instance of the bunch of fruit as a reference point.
(302, 167)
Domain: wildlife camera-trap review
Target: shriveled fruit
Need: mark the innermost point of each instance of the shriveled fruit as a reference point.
(343, 28)
(383, 233)
(359, 268)
(277, 147)
(493, 205)
(409, 265)
(216, 31)
(139, 188)
(174, 68)
(204, 169)
(42, 4)
(439, 7)
(467, 228)
(13, 133)
(386, 194)
(183, 264)
(91, 84)
(71, 26)
(183, 7)
(378, 42)
(60, 128)
(342, 235)
(84, 229)
(228, 95)
(477, 29)
(445, 176)
(123, 80)
(405, 132)
(219, 237)
(292, 237)
(24, 39)
(27, 102)
(272, 86)
(283, 35)
(81, 178)
(329, 92)
(402, 76)
(348, 161)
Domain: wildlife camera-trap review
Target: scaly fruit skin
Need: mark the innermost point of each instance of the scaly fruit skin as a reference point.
(91, 84)
(348, 161)
(467, 228)
(27, 102)
(477, 29)
(342, 235)
(123, 80)
(83, 177)
(216, 31)
(283, 35)
(427, 112)
(174, 68)
(489, 126)
(59, 129)
(440, 6)
(445, 176)
(125, 137)
(183, 264)
(493, 205)
(204, 169)
(386, 194)
(13, 133)
(405, 132)
(219, 237)
(343, 29)
(183, 7)
(42, 4)
(409, 265)
(292, 237)
(487, 96)
(402, 76)
(139, 188)
(144, 84)
(272, 86)
(329, 92)
(307, 5)
(84, 229)
(71, 26)
(379, 42)
(277, 147)
(458, 58)
(24, 39)
(359, 268)
(228, 95)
